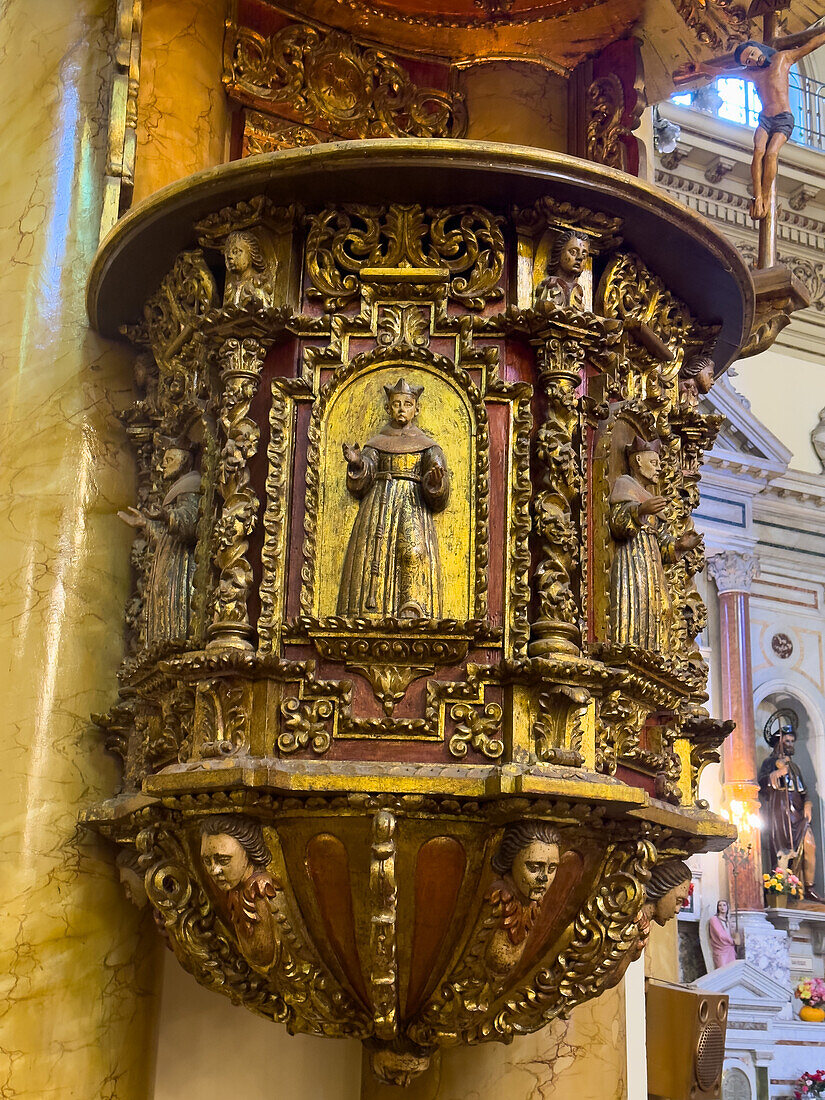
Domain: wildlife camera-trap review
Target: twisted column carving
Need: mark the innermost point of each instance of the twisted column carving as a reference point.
(241, 362)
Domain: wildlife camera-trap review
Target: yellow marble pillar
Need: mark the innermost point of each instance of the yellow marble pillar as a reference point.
(75, 966)
(516, 102)
(182, 113)
(582, 1058)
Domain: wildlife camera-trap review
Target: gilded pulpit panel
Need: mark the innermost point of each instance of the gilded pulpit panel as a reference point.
(412, 718)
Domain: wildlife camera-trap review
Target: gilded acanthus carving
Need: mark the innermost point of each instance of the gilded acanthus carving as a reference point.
(327, 78)
(605, 107)
(478, 729)
(383, 978)
(465, 244)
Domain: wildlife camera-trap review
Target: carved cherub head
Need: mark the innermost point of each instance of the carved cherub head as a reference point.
(667, 891)
(232, 849)
(529, 856)
(696, 377)
(131, 876)
(644, 459)
(402, 402)
(242, 254)
(569, 255)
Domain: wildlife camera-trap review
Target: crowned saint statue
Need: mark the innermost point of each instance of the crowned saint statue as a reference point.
(391, 567)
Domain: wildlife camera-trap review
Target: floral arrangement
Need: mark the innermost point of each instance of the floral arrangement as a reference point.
(812, 992)
(783, 882)
(810, 1084)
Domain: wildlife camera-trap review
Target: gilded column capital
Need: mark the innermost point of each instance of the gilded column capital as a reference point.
(733, 571)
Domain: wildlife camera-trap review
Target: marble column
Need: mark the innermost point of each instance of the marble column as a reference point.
(182, 111)
(76, 962)
(733, 573)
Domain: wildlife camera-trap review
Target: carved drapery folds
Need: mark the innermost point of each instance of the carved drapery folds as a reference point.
(387, 768)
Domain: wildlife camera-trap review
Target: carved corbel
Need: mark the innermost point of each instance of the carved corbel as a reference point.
(241, 362)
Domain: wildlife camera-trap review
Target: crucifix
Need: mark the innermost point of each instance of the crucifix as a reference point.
(767, 64)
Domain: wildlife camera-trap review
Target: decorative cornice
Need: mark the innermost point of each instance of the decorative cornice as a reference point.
(733, 571)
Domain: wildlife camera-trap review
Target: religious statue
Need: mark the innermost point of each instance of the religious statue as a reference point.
(696, 378)
(526, 862)
(640, 606)
(247, 279)
(785, 803)
(568, 259)
(391, 567)
(173, 533)
(722, 941)
(235, 856)
(768, 66)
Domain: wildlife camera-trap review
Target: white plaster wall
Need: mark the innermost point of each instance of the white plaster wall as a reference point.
(786, 393)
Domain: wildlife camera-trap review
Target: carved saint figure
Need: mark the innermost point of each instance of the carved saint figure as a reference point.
(247, 279)
(768, 66)
(526, 862)
(568, 259)
(235, 856)
(786, 805)
(696, 378)
(391, 568)
(640, 607)
(722, 943)
(168, 594)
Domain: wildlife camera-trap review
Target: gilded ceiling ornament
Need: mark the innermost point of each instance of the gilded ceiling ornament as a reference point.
(328, 79)
(392, 568)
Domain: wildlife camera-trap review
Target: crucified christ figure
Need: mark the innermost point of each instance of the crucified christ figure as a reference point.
(769, 68)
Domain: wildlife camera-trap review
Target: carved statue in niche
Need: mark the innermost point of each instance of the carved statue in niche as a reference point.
(526, 862)
(247, 278)
(696, 377)
(722, 942)
(168, 594)
(640, 606)
(391, 568)
(568, 258)
(235, 857)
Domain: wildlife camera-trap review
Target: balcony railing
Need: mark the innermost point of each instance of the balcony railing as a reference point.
(737, 101)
